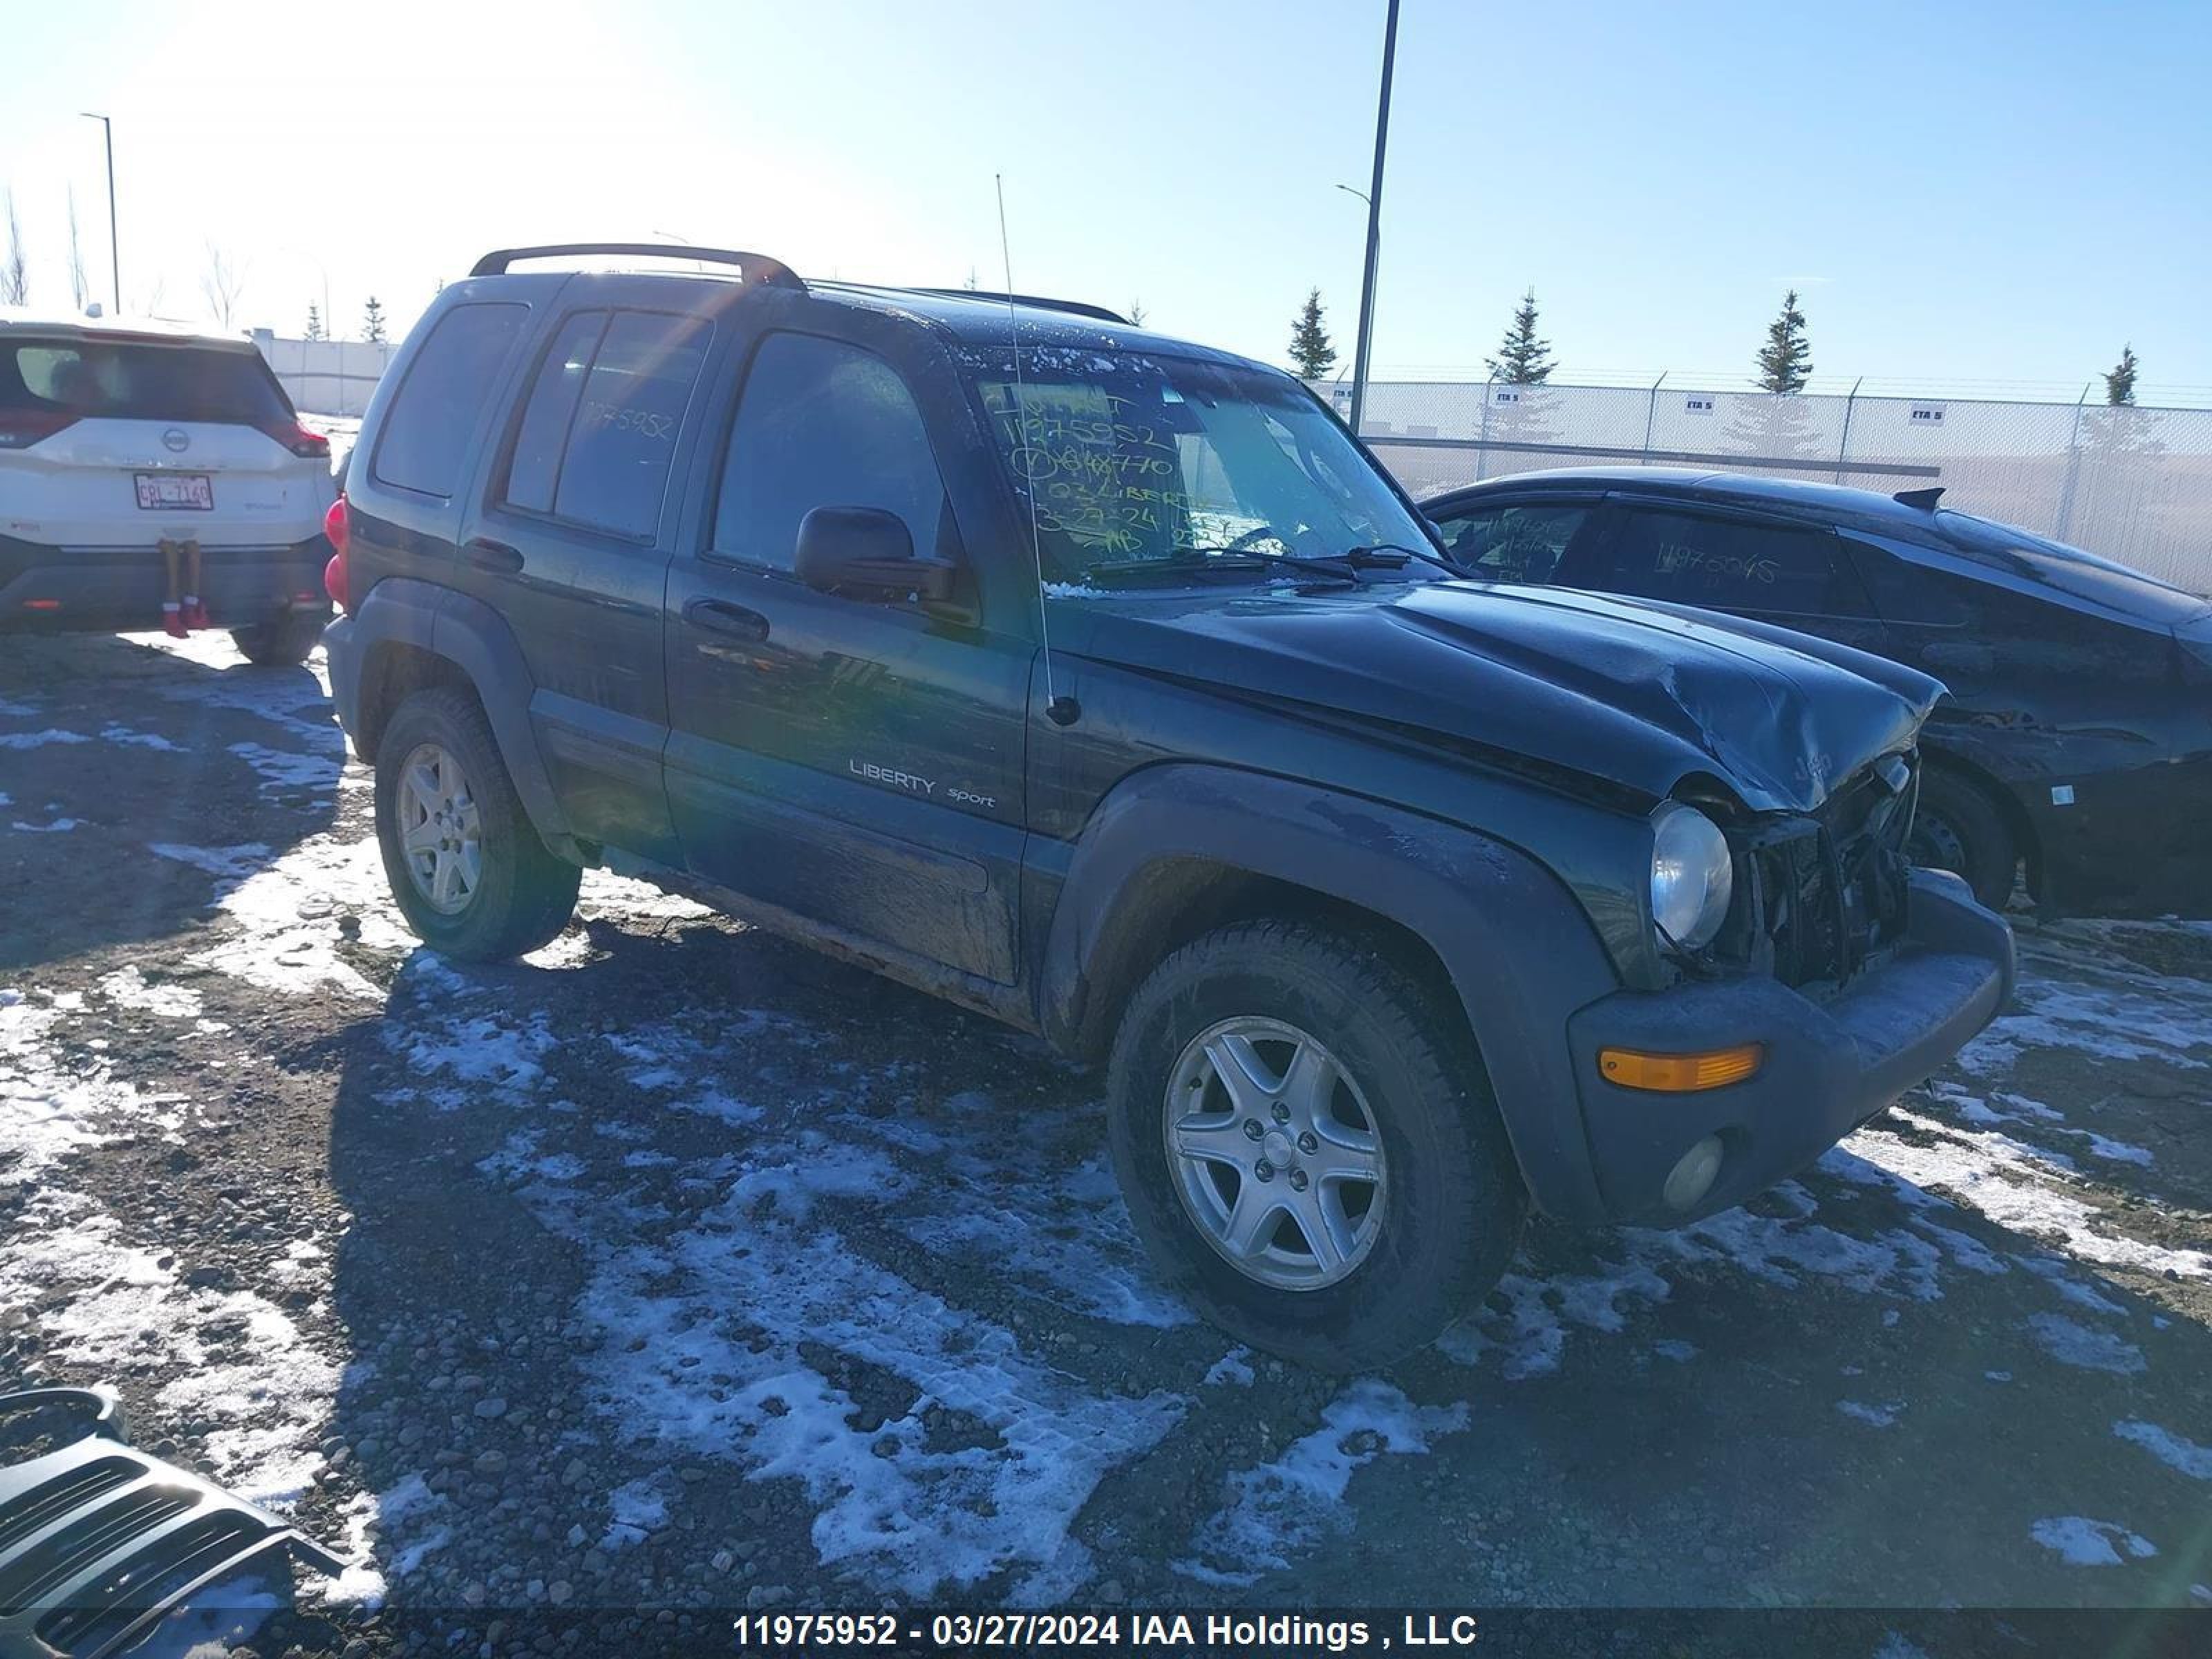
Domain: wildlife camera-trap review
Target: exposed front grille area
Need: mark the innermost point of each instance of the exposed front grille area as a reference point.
(1822, 893)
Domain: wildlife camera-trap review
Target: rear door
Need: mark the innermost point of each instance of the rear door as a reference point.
(1773, 570)
(853, 762)
(569, 541)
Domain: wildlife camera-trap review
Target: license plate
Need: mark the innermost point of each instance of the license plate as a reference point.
(168, 491)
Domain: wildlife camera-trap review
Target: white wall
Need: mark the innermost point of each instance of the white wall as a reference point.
(326, 377)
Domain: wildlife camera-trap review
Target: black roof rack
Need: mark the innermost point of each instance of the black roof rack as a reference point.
(1043, 304)
(1923, 498)
(756, 267)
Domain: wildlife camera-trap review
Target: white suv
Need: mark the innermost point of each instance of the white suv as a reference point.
(150, 476)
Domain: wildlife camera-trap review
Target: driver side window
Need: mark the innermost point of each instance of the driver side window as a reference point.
(821, 423)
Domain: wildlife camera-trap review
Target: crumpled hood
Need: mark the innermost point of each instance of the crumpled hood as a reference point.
(1639, 695)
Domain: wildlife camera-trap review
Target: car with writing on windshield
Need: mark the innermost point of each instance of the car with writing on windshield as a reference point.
(144, 466)
(1098, 683)
(2076, 741)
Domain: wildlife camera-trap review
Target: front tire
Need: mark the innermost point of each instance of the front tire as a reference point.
(466, 866)
(1957, 827)
(1308, 1146)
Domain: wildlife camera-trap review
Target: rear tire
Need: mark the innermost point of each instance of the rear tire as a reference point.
(280, 642)
(1415, 1245)
(1958, 827)
(466, 865)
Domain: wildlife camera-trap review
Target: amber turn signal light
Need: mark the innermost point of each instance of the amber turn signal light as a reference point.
(1680, 1074)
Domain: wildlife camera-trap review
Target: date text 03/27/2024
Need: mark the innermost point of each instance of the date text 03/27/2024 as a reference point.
(1017, 1632)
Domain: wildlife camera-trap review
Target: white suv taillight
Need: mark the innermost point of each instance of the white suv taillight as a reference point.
(308, 446)
(21, 428)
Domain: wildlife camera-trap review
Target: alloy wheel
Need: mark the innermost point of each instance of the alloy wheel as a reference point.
(440, 833)
(1275, 1152)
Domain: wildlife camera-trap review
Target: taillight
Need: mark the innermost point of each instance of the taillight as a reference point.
(21, 428)
(339, 528)
(307, 445)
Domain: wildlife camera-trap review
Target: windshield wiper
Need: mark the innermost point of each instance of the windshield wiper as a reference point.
(1209, 561)
(1362, 554)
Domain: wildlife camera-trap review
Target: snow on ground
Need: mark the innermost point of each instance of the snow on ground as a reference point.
(401, 1527)
(2081, 1542)
(764, 1263)
(233, 1360)
(128, 987)
(53, 1106)
(19, 740)
(2170, 1448)
(1279, 1510)
(714, 1314)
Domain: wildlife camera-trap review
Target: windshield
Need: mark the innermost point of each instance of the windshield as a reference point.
(1134, 460)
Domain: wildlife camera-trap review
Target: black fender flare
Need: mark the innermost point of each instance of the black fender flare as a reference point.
(477, 640)
(1520, 953)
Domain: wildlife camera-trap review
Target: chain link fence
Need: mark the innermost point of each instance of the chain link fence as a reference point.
(2132, 484)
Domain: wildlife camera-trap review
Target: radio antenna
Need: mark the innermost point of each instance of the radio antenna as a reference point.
(1061, 711)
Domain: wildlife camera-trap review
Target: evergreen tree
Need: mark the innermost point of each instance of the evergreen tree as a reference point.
(2120, 381)
(1311, 354)
(314, 323)
(1523, 358)
(372, 322)
(1137, 313)
(1785, 361)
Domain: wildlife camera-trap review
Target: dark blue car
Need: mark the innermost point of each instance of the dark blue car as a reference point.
(2077, 735)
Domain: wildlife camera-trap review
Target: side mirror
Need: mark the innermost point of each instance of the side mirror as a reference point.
(867, 553)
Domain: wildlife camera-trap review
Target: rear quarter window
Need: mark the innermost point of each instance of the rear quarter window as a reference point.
(441, 403)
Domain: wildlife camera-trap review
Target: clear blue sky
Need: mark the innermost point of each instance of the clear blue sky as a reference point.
(1981, 195)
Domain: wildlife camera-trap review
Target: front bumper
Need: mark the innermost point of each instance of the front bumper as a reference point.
(1829, 1066)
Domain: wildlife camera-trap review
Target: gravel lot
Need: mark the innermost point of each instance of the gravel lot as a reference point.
(679, 1270)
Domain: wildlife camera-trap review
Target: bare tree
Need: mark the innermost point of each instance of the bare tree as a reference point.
(14, 265)
(77, 290)
(221, 284)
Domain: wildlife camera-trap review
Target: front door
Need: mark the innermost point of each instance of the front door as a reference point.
(856, 763)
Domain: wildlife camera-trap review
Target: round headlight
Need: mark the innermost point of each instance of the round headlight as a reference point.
(1691, 876)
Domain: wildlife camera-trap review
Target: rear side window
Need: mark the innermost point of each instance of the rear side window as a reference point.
(534, 474)
(1914, 595)
(1514, 544)
(1730, 565)
(131, 381)
(448, 385)
(822, 424)
(621, 436)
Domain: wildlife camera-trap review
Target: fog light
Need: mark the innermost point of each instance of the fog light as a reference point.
(1691, 1179)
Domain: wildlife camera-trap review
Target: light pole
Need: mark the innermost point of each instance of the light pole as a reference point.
(1374, 224)
(114, 247)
